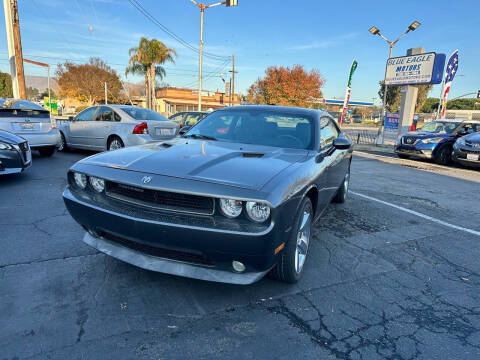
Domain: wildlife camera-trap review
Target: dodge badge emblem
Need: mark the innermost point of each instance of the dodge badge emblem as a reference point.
(146, 179)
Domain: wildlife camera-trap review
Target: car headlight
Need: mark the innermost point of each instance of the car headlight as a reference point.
(257, 211)
(432, 140)
(97, 184)
(5, 146)
(80, 180)
(231, 208)
(460, 141)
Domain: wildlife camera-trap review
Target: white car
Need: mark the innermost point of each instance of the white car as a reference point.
(111, 127)
(32, 122)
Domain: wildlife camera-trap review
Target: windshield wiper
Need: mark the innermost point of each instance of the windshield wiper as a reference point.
(200, 136)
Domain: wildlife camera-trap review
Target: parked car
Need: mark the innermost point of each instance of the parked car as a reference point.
(15, 153)
(231, 200)
(32, 122)
(466, 150)
(111, 127)
(357, 119)
(187, 119)
(435, 139)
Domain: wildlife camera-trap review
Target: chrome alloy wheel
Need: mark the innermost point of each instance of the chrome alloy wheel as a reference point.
(115, 144)
(303, 240)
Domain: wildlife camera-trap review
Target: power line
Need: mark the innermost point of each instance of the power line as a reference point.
(149, 16)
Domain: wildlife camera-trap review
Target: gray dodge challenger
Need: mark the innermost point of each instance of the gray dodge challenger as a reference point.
(231, 200)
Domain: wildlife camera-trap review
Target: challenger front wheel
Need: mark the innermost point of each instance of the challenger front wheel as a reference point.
(292, 260)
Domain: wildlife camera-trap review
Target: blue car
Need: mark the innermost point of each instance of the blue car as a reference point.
(435, 140)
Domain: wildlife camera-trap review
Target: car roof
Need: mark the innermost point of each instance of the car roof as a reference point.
(277, 109)
(20, 104)
(457, 120)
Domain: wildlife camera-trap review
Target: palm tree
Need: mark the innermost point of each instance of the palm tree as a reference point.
(147, 60)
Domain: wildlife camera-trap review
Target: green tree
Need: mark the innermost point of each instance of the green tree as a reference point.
(430, 105)
(86, 82)
(6, 90)
(394, 96)
(287, 86)
(147, 59)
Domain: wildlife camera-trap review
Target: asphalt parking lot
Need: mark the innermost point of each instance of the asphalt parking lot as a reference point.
(392, 274)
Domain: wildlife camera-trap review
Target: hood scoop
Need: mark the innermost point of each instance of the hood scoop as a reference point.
(252, 155)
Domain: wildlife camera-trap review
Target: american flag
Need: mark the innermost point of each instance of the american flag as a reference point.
(452, 67)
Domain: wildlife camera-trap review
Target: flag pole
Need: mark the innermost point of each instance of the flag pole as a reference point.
(349, 88)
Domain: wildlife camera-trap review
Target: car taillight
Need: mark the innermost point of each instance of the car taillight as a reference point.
(141, 128)
(413, 127)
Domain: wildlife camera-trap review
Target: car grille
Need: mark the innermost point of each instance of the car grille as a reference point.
(188, 257)
(409, 140)
(24, 149)
(162, 200)
(472, 145)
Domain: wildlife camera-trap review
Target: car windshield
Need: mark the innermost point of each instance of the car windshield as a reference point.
(260, 127)
(440, 127)
(143, 114)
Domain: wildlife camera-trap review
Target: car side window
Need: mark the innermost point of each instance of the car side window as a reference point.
(104, 114)
(87, 114)
(117, 117)
(328, 132)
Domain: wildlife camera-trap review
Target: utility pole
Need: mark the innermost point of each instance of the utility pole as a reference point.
(17, 42)
(106, 94)
(232, 93)
(202, 7)
(11, 49)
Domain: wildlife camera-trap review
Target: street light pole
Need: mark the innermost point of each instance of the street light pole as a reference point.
(376, 31)
(203, 7)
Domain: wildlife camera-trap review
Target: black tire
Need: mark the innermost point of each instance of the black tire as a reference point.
(63, 143)
(115, 143)
(47, 151)
(286, 269)
(443, 155)
(401, 156)
(342, 193)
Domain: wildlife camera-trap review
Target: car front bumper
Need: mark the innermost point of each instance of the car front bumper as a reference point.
(165, 246)
(424, 151)
(36, 140)
(460, 155)
(14, 162)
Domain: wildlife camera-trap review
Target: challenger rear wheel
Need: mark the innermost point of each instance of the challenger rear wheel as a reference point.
(342, 192)
(293, 258)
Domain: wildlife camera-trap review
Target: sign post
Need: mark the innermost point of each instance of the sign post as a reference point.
(416, 68)
(349, 89)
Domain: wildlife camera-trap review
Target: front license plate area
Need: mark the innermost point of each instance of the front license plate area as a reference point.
(473, 157)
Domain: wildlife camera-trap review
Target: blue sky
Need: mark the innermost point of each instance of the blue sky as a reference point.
(320, 34)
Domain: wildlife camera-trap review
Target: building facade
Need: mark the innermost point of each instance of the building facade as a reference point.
(171, 100)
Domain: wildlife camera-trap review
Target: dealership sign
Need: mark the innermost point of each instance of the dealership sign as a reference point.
(415, 69)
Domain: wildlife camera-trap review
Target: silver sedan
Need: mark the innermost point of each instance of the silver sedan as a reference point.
(110, 127)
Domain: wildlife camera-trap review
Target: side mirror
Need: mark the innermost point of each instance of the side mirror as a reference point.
(462, 132)
(342, 143)
(71, 118)
(184, 129)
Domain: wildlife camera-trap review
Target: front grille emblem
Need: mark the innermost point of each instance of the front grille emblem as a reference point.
(146, 179)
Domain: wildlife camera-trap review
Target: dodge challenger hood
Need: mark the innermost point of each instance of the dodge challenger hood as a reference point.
(248, 166)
